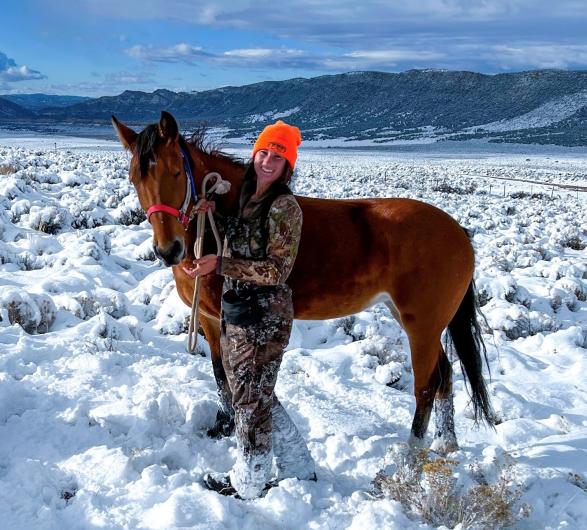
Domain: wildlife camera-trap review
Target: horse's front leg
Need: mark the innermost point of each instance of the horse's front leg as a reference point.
(224, 424)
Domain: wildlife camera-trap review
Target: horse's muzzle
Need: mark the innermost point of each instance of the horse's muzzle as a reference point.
(172, 254)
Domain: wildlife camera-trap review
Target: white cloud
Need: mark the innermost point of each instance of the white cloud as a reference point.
(179, 52)
(10, 72)
(543, 56)
(533, 55)
(328, 35)
(395, 55)
(307, 17)
(128, 78)
(252, 53)
(284, 57)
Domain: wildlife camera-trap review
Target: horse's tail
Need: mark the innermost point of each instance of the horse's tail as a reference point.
(465, 334)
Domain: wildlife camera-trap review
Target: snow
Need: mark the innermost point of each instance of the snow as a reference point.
(271, 115)
(553, 111)
(103, 415)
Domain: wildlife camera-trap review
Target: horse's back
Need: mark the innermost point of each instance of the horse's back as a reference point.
(353, 251)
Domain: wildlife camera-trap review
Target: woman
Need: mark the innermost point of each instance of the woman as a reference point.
(257, 313)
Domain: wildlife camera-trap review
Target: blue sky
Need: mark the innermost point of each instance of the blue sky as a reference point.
(103, 47)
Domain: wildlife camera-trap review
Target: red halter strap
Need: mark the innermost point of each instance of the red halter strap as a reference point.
(181, 217)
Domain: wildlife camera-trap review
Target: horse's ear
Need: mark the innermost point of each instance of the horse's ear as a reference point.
(126, 135)
(168, 128)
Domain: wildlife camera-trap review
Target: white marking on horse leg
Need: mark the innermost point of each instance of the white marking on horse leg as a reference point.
(445, 440)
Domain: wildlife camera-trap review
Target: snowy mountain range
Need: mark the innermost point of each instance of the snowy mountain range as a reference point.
(542, 106)
(36, 102)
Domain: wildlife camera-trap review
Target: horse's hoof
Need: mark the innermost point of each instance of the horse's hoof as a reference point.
(444, 446)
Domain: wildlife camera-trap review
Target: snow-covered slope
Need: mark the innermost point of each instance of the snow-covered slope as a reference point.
(103, 415)
(549, 113)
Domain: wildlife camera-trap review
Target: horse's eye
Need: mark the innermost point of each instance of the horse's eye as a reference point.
(177, 174)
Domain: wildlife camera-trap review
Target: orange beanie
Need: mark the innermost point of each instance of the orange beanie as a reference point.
(280, 138)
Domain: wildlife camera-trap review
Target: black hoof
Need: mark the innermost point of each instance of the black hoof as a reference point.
(224, 426)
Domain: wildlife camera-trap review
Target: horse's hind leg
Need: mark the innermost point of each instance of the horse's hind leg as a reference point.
(445, 440)
(425, 353)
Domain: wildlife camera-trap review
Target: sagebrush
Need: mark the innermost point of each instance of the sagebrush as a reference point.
(428, 489)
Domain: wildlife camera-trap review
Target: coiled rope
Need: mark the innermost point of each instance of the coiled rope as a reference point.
(219, 187)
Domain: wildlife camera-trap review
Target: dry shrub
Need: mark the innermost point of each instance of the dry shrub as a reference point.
(7, 170)
(448, 187)
(23, 314)
(132, 216)
(35, 313)
(575, 242)
(527, 195)
(570, 237)
(428, 489)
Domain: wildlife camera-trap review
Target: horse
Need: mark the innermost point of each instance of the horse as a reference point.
(408, 254)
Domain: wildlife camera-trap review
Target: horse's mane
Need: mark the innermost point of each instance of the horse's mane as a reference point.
(149, 138)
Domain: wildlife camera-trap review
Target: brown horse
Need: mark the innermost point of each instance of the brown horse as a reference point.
(353, 253)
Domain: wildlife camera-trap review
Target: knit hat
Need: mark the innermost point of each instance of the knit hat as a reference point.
(280, 138)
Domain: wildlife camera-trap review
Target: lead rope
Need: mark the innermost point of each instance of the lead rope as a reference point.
(220, 187)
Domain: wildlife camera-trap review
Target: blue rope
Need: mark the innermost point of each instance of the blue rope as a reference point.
(188, 170)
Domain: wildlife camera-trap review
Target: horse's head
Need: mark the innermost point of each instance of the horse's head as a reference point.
(159, 174)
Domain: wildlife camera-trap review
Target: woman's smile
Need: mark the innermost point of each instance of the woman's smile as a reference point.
(269, 165)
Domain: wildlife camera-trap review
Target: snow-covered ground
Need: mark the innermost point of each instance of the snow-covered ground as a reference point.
(103, 415)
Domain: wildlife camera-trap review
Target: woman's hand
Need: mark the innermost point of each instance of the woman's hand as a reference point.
(204, 206)
(201, 267)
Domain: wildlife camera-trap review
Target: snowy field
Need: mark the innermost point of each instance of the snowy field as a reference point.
(103, 415)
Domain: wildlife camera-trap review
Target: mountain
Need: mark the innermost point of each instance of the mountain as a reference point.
(544, 106)
(37, 102)
(12, 111)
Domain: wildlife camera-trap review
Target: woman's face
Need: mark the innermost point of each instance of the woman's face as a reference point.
(269, 166)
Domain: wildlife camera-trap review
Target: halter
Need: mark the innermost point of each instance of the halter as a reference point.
(183, 215)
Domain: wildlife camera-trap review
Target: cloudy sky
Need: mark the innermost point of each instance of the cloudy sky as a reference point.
(102, 47)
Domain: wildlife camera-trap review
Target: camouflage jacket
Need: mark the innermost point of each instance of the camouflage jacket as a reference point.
(244, 257)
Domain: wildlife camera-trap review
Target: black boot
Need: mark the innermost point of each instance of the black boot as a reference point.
(221, 484)
(223, 426)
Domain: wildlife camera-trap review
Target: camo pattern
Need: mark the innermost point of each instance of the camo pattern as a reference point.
(262, 252)
(251, 357)
(283, 231)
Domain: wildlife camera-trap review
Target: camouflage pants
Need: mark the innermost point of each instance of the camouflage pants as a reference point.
(251, 356)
